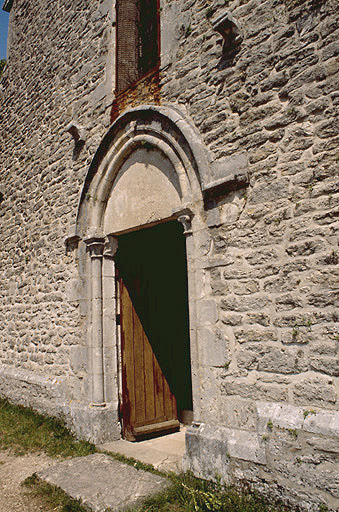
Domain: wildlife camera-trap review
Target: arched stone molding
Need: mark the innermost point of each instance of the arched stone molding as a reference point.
(162, 128)
(141, 137)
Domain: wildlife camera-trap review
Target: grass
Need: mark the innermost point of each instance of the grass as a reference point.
(49, 495)
(189, 494)
(137, 464)
(23, 430)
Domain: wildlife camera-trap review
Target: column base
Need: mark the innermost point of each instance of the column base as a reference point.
(95, 423)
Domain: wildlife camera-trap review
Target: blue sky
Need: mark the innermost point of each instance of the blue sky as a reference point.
(4, 17)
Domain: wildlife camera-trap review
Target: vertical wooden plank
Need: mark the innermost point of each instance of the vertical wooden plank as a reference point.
(127, 357)
(158, 390)
(149, 380)
(139, 374)
(174, 407)
(168, 401)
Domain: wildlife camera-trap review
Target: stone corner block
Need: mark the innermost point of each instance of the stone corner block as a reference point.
(95, 424)
(226, 443)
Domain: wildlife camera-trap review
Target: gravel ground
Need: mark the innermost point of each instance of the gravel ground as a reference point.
(13, 470)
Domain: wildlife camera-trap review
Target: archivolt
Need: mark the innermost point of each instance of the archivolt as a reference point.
(161, 128)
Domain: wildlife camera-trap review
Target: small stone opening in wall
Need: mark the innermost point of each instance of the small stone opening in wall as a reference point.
(2, 198)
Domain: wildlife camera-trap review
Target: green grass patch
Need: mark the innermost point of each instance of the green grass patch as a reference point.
(51, 496)
(23, 430)
(130, 461)
(189, 494)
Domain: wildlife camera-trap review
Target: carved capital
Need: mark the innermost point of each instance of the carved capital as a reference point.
(111, 246)
(186, 220)
(95, 246)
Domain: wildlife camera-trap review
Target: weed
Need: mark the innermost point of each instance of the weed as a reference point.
(209, 12)
(306, 413)
(24, 430)
(190, 494)
(323, 507)
(2, 66)
(295, 332)
(146, 145)
(269, 425)
(293, 432)
(130, 461)
(188, 31)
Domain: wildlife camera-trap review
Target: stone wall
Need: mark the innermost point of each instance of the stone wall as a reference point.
(59, 74)
(269, 317)
(266, 254)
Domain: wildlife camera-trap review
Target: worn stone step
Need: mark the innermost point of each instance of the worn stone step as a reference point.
(102, 483)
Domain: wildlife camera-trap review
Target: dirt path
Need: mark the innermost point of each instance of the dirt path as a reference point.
(13, 470)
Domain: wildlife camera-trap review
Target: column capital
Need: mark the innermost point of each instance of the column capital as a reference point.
(95, 244)
(111, 246)
(185, 218)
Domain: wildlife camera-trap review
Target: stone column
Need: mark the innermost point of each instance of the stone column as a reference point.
(110, 342)
(96, 247)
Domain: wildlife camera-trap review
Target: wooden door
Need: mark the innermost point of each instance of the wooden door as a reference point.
(153, 333)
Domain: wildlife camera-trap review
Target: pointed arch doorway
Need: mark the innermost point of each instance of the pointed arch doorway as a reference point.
(155, 349)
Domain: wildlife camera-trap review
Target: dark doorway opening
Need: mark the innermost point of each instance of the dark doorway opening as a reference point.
(156, 369)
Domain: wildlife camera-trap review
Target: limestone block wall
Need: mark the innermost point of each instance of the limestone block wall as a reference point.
(269, 253)
(266, 254)
(59, 73)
